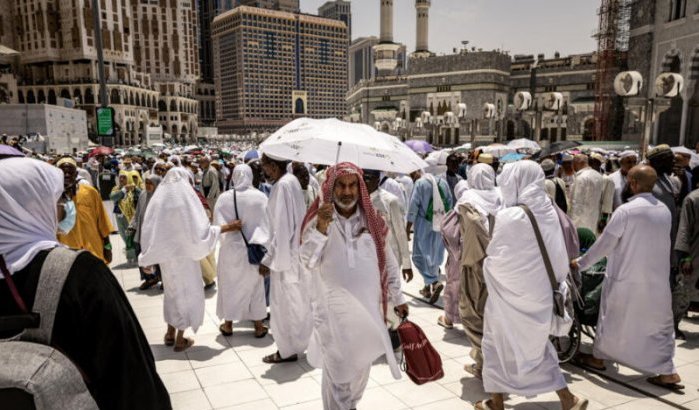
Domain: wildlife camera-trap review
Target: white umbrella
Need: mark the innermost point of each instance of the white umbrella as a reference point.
(330, 141)
(498, 150)
(524, 144)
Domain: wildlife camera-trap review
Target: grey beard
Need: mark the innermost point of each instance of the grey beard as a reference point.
(345, 207)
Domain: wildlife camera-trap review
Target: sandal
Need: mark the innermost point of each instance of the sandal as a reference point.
(676, 387)
(169, 341)
(426, 292)
(442, 321)
(436, 290)
(580, 405)
(261, 334)
(223, 330)
(583, 360)
(277, 358)
(475, 371)
(148, 283)
(482, 405)
(188, 343)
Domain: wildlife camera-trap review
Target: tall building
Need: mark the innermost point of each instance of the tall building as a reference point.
(272, 66)
(165, 47)
(291, 6)
(58, 60)
(338, 10)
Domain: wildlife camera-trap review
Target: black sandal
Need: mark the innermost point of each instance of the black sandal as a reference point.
(277, 358)
(262, 334)
(676, 387)
(438, 288)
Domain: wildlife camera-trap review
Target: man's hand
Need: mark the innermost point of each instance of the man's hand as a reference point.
(264, 271)
(232, 226)
(574, 265)
(408, 228)
(401, 310)
(408, 274)
(325, 217)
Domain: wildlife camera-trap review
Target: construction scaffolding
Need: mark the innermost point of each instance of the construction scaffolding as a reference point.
(612, 44)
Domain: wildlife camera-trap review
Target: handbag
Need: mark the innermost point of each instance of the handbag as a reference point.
(563, 308)
(255, 252)
(421, 361)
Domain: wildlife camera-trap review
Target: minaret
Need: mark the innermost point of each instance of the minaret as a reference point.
(422, 7)
(386, 52)
(386, 21)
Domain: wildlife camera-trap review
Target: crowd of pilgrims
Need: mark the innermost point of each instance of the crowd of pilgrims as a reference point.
(337, 243)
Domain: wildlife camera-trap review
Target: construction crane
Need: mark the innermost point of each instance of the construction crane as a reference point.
(612, 44)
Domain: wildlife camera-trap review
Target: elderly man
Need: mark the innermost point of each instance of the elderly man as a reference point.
(429, 204)
(290, 307)
(587, 198)
(92, 225)
(662, 160)
(355, 276)
(210, 182)
(635, 324)
(627, 160)
(518, 356)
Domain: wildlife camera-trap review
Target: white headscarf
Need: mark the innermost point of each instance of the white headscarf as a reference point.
(483, 195)
(242, 177)
(175, 225)
(29, 190)
(459, 189)
(520, 183)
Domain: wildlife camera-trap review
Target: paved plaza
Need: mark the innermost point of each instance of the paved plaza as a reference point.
(221, 372)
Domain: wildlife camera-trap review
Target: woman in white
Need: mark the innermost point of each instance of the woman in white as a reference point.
(518, 356)
(241, 289)
(177, 235)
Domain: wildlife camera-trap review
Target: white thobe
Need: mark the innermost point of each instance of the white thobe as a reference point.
(396, 188)
(607, 195)
(518, 356)
(289, 301)
(619, 181)
(408, 185)
(349, 331)
(389, 207)
(635, 325)
(241, 289)
(586, 199)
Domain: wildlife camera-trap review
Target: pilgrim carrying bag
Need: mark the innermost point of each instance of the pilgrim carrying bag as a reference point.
(34, 375)
(563, 308)
(255, 252)
(421, 362)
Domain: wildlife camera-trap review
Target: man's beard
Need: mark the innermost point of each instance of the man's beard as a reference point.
(346, 207)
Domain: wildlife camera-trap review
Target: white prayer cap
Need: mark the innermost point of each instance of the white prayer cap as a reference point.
(628, 153)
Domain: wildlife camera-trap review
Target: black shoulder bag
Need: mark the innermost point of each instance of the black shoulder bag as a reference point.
(255, 252)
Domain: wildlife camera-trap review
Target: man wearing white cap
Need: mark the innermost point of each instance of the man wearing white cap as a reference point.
(627, 160)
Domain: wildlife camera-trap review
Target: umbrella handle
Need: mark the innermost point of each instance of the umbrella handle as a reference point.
(337, 156)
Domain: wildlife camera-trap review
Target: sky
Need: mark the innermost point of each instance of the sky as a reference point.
(517, 26)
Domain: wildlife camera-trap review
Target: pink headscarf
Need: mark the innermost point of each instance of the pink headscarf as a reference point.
(376, 225)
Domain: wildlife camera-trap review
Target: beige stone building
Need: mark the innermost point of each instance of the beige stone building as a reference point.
(58, 60)
(165, 47)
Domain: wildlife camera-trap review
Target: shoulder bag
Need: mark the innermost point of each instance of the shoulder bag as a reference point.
(255, 252)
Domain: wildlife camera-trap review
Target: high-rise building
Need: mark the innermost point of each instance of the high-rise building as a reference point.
(58, 60)
(165, 47)
(338, 10)
(291, 6)
(272, 66)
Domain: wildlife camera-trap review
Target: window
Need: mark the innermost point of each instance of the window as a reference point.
(678, 9)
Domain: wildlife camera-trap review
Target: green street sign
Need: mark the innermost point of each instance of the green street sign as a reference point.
(105, 121)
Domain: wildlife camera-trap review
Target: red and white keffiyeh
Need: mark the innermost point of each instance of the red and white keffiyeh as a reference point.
(375, 224)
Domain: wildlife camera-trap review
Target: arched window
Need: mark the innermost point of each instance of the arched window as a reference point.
(162, 107)
(52, 97)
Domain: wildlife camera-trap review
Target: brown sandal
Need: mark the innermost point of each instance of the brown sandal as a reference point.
(224, 331)
(188, 343)
(261, 334)
(277, 358)
(169, 341)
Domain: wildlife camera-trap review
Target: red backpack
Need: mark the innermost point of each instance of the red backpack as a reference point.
(421, 362)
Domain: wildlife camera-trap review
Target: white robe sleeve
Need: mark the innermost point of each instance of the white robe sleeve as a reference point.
(312, 247)
(397, 217)
(606, 243)
(282, 228)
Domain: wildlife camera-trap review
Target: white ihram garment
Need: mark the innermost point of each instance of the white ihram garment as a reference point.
(388, 206)
(289, 299)
(176, 234)
(241, 289)
(587, 199)
(519, 358)
(349, 331)
(635, 324)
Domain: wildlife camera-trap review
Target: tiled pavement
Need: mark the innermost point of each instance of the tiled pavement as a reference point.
(227, 372)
